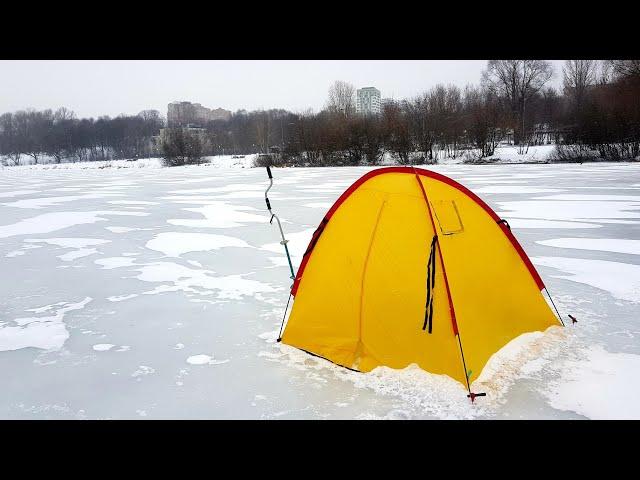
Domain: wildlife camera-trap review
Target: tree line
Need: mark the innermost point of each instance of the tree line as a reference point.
(59, 135)
(596, 114)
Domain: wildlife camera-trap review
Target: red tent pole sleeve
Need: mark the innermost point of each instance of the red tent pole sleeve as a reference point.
(444, 269)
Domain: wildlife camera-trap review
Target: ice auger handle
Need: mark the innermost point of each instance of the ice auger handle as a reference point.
(273, 215)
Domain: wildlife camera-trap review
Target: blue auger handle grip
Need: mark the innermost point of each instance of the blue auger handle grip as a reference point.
(269, 172)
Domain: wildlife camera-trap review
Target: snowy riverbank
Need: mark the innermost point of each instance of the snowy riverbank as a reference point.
(503, 155)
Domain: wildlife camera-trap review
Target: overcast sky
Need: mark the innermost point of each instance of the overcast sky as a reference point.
(94, 88)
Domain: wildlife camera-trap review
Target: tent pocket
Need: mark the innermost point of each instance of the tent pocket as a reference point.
(448, 217)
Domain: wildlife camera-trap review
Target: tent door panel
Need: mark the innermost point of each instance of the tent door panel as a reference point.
(448, 217)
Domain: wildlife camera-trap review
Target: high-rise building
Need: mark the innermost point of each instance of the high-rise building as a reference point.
(368, 101)
(183, 114)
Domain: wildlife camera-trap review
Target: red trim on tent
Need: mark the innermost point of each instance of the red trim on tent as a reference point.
(435, 176)
(452, 310)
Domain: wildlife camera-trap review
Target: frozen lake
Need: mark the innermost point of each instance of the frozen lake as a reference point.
(158, 293)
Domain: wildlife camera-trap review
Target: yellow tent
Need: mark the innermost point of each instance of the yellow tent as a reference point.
(409, 266)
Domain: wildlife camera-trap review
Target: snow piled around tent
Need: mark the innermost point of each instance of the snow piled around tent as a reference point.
(428, 394)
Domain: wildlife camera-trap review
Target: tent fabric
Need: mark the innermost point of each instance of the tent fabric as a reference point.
(361, 290)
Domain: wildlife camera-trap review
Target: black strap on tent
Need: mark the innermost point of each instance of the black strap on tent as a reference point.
(316, 236)
(505, 222)
(431, 283)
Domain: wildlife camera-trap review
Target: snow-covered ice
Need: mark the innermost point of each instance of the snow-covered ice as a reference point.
(618, 245)
(119, 283)
(203, 359)
(621, 280)
(600, 387)
(174, 244)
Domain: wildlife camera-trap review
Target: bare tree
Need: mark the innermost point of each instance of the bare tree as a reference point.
(341, 98)
(578, 76)
(263, 131)
(396, 132)
(9, 141)
(517, 81)
(625, 68)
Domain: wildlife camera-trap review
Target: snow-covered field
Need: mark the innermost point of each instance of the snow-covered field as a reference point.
(158, 293)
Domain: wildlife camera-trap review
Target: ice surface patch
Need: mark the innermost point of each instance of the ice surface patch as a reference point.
(204, 360)
(241, 194)
(69, 242)
(597, 198)
(115, 262)
(48, 332)
(17, 193)
(532, 223)
(622, 280)
(120, 298)
(48, 222)
(174, 244)
(618, 245)
(131, 202)
(318, 205)
(79, 244)
(83, 252)
(220, 215)
(601, 387)
(22, 251)
(103, 347)
(52, 201)
(143, 370)
(569, 210)
(202, 282)
(124, 229)
(233, 187)
(514, 189)
(51, 222)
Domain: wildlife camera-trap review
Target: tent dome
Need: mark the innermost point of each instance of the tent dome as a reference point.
(409, 266)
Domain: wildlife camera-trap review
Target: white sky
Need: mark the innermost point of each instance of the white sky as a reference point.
(93, 88)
